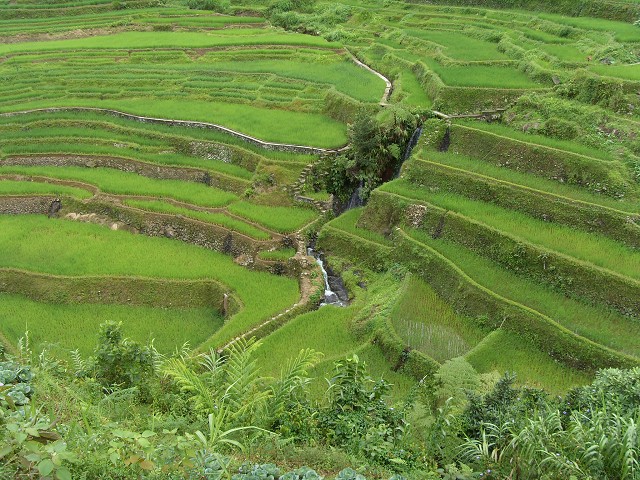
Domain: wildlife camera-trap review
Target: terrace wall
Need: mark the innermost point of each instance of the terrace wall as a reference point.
(561, 272)
(117, 290)
(206, 235)
(538, 204)
(19, 204)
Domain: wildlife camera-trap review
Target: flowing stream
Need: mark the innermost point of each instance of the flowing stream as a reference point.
(413, 141)
(335, 293)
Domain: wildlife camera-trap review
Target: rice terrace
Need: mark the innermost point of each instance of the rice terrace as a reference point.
(301, 239)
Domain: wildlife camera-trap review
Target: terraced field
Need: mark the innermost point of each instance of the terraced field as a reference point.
(522, 240)
(516, 220)
(327, 231)
(244, 79)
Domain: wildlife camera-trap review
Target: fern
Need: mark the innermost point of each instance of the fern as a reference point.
(79, 363)
(293, 380)
(202, 395)
(243, 376)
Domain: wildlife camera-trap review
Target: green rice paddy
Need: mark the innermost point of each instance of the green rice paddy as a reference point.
(125, 183)
(65, 327)
(68, 248)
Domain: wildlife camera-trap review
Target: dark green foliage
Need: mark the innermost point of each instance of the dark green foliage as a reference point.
(506, 404)
(374, 156)
(596, 90)
(358, 419)
(562, 129)
(214, 5)
(301, 16)
(120, 363)
(612, 388)
(267, 471)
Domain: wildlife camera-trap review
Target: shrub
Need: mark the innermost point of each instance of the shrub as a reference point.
(214, 5)
(119, 362)
(562, 129)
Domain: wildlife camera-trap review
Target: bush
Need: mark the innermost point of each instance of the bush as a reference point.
(119, 362)
(562, 129)
(219, 6)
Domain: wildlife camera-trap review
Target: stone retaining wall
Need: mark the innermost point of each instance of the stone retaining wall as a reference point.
(135, 166)
(210, 236)
(18, 205)
(283, 147)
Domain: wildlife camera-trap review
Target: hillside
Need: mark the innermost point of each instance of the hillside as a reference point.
(179, 177)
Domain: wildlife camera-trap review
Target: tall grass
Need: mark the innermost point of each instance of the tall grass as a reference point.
(75, 326)
(124, 183)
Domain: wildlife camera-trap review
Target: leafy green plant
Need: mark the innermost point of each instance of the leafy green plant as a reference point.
(357, 417)
(121, 363)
